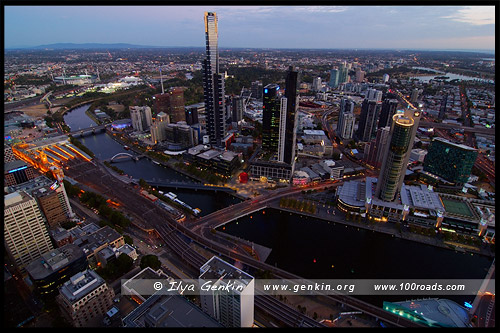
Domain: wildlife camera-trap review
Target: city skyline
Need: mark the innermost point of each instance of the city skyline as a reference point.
(363, 27)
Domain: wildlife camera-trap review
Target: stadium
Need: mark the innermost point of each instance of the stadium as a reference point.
(76, 79)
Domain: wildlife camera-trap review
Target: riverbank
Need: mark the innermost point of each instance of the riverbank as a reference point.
(386, 228)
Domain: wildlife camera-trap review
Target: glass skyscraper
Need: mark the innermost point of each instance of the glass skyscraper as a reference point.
(449, 160)
(213, 84)
(271, 118)
(397, 154)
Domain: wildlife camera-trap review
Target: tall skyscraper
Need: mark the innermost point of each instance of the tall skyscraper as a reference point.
(235, 309)
(374, 94)
(345, 124)
(388, 110)
(334, 78)
(256, 90)
(213, 84)
(377, 147)
(370, 110)
(271, 118)
(290, 128)
(343, 73)
(25, 232)
(397, 154)
(449, 160)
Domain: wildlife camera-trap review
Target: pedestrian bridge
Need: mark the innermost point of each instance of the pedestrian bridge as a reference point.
(186, 185)
(124, 156)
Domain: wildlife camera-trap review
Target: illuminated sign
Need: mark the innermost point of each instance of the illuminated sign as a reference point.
(18, 169)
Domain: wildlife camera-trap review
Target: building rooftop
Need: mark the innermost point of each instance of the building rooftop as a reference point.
(13, 165)
(53, 260)
(442, 312)
(217, 268)
(421, 197)
(80, 285)
(352, 193)
(168, 311)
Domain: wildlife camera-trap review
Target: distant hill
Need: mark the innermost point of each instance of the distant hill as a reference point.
(62, 46)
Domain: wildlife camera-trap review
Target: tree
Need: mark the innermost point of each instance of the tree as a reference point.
(128, 240)
(150, 260)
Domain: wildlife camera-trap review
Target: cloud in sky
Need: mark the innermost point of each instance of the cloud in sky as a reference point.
(479, 15)
(252, 26)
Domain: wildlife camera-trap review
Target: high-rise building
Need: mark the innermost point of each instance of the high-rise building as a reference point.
(343, 73)
(238, 107)
(158, 127)
(385, 78)
(345, 124)
(377, 147)
(8, 154)
(397, 154)
(334, 78)
(370, 110)
(256, 90)
(449, 160)
(213, 84)
(141, 117)
(414, 96)
(231, 309)
(271, 118)
(25, 231)
(374, 94)
(287, 155)
(360, 75)
(85, 299)
(389, 107)
(317, 85)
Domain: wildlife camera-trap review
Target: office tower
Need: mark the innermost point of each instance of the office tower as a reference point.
(345, 124)
(85, 299)
(271, 118)
(158, 127)
(25, 232)
(397, 154)
(385, 78)
(256, 89)
(388, 110)
(55, 267)
(292, 103)
(360, 75)
(181, 134)
(449, 160)
(213, 85)
(161, 103)
(191, 113)
(141, 117)
(17, 172)
(238, 108)
(334, 78)
(176, 104)
(343, 73)
(316, 85)
(370, 110)
(374, 94)
(377, 147)
(414, 96)
(234, 309)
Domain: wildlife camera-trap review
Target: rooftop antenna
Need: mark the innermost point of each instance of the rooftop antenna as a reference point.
(161, 79)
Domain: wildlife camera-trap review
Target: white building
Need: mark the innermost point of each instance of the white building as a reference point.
(234, 309)
(158, 128)
(418, 155)
(317, 85)
(141, 117)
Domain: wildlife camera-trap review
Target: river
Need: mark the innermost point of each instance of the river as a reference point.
(306, 246)
(104, 147)
(451, 76)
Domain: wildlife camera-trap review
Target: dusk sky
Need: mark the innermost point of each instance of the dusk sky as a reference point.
(381, 27)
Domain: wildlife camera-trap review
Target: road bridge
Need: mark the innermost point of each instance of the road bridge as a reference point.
(88, 131)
